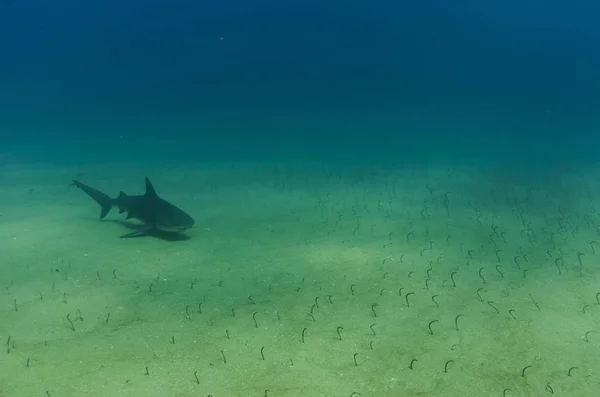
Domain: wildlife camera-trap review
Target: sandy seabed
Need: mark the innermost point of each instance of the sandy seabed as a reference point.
(302, 280)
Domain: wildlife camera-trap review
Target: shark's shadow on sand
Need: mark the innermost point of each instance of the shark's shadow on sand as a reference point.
(136, 228)
(158, 217)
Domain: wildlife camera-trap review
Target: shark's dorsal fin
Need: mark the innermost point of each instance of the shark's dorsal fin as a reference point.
(149, 188)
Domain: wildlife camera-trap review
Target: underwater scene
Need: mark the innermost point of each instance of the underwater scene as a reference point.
(228, 198)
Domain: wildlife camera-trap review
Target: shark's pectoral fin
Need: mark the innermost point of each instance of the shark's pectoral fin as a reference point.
(129, 216)
(138, 233)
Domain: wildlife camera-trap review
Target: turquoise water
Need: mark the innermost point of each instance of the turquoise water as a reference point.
(383, 80)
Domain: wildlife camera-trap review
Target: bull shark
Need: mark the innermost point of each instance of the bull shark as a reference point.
(156, 214)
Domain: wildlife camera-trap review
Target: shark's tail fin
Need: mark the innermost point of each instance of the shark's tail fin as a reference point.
(104, 200)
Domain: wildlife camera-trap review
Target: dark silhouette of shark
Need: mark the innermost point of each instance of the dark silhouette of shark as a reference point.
(156, 214)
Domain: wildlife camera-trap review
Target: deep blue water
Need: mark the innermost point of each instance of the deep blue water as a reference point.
(381, 80)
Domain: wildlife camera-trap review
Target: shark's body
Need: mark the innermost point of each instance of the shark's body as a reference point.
(154, 212)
